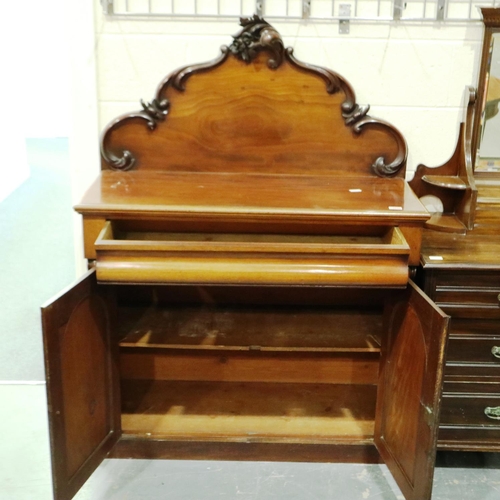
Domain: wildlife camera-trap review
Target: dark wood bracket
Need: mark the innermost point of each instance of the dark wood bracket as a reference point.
(453, 182)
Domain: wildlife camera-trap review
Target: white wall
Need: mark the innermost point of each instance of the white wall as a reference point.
(84, 128)
(34, 85)
(412, 75)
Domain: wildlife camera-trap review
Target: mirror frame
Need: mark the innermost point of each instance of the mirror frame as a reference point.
(491, 20)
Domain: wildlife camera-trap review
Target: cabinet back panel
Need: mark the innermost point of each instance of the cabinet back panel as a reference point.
(248, 411)
(309, 367)
(247, 328)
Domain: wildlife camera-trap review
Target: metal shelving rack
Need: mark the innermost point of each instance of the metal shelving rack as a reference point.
(341, 10)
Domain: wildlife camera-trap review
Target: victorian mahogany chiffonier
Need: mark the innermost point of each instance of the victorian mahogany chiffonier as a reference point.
(250, 241)
(461, 261)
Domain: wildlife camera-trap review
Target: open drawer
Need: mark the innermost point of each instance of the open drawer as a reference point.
(231, 258)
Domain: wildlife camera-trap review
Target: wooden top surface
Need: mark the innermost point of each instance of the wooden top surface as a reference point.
(480, 247)
(137, 194)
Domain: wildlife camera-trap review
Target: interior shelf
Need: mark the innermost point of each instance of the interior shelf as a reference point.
(250, 328)
(248, 411)
(447, 223)
(445, 181)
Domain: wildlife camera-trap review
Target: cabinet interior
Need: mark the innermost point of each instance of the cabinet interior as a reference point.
(248, 363)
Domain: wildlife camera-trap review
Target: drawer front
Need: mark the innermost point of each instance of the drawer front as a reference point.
(471, 371)
(254, 259)
(469, 438)
(467, 327)
(467, 294)
(481, 410)
(473, 350)
(469, 297)
(489, 386)
(464, 424)
(468, 279)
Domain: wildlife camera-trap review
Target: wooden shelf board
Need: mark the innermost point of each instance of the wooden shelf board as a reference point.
(447, 223)
(248, 411)
(250, 328)
(445, 181)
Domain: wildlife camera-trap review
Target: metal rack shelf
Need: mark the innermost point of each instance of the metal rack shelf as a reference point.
(362, 10)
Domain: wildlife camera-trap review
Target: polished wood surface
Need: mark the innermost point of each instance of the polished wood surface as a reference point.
(453, 182)
(408, 400)
(248, 118)
(282, 198)
(480, 248)
(253, 203)
(234, 258)
(81, 384)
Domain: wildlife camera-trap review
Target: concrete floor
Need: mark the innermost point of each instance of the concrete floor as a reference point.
(24, 448)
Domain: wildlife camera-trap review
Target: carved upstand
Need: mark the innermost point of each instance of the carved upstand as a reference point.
(249, 239)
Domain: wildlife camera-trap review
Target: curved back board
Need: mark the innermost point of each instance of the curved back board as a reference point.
(255, 109)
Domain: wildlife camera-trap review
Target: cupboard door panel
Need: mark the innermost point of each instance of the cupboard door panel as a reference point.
(82, 384)
(407, 417)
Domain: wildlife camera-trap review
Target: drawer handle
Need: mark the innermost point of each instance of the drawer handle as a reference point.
(492, 412)
(495, 350)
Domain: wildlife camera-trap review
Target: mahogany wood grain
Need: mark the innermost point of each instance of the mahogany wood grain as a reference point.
(477, 385)
(468, 410)
(82, 384)
(198, 196)
(473, 350)
(474, 328)
(408, 396)
(242, 117)
(251, 366)
(461, 371)
(92, 226)
(460, 438)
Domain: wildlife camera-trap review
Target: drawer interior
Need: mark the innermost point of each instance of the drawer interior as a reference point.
(126, 254)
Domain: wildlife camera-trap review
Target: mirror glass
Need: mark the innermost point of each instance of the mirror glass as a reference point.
(488, 159)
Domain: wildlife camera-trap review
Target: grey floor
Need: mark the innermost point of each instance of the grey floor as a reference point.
(37, 260)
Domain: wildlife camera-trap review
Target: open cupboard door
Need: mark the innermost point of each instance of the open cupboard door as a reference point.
(409, 392)
(82, 384)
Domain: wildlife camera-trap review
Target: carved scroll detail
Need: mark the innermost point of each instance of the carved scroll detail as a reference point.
(380, 167)
(155, 111)
(152, 113)
(356, 114)
(257, 35)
